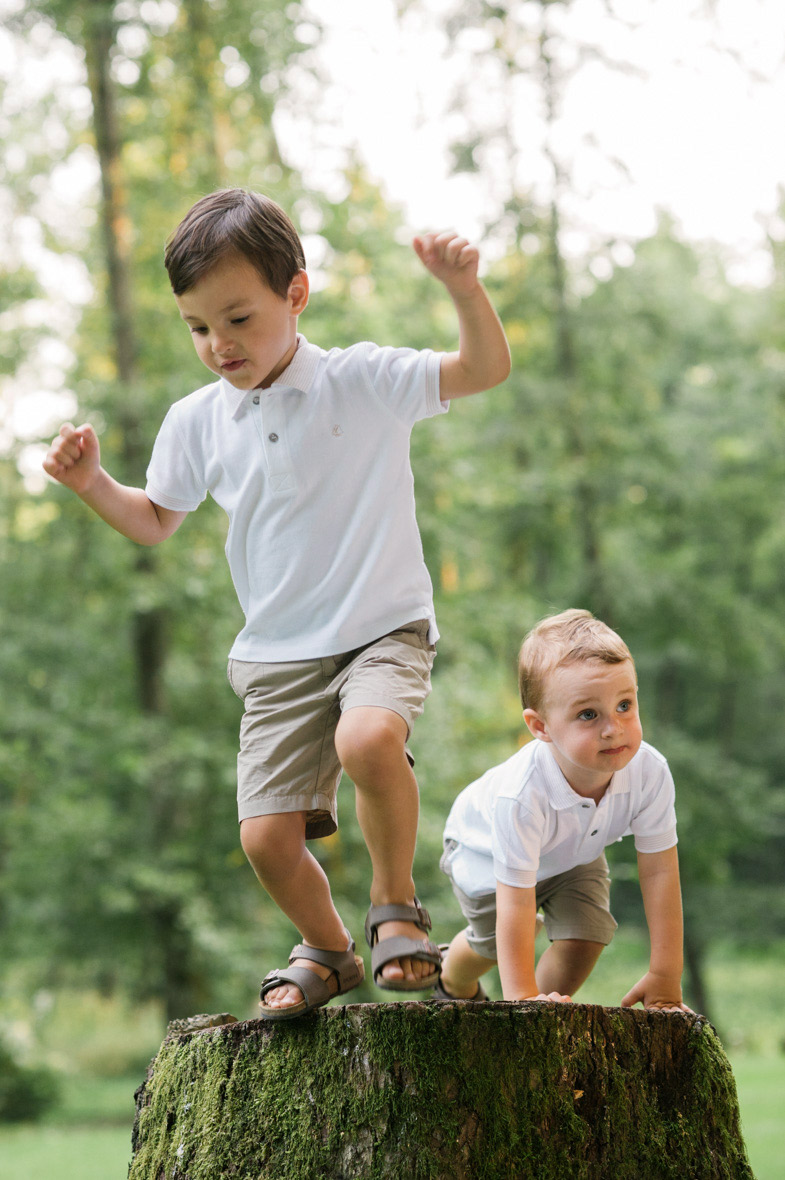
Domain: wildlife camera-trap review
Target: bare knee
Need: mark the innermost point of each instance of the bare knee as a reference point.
(370, 742)
(273, 843)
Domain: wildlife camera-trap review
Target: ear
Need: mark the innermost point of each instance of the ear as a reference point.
(537, 725)
(298, 292)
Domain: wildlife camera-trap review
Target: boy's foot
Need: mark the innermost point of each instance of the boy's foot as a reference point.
(440, 993)
(312, 978)
(400, 961)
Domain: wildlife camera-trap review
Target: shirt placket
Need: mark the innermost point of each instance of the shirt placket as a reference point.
(270, 422)
(593, 832)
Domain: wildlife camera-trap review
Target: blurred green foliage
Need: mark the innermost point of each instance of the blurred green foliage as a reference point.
(26, 1092)
(642, 479)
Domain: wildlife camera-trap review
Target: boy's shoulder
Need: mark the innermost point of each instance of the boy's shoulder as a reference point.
(648, 760)
(370, 357)
(520, 771)
(198, 400)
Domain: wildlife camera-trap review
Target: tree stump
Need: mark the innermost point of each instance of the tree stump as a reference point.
(459, 1091)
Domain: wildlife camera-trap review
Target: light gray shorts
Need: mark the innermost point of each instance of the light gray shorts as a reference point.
(575, 904)
(287, 759)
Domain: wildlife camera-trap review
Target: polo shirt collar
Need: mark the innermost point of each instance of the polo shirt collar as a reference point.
(300, 374)
(560, 793)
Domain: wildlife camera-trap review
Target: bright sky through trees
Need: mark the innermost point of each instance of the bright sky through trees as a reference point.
(688, 119)
(694, 111)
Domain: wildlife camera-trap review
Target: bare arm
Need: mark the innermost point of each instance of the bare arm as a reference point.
(74, 460)
(483, 356)
(660, 987)
(516, 915)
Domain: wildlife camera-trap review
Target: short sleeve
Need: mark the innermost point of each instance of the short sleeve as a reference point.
(516, 841)
(172, 480)
(654, 824)
(407, 381)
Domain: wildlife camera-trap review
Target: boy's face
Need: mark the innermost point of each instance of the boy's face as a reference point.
(590, 718)
(241, 329)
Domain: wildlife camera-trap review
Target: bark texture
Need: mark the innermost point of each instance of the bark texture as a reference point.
(425, 1091)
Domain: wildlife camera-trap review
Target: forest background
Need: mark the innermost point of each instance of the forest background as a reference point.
(632, 464)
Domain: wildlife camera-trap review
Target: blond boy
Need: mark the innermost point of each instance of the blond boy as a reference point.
(530, 834)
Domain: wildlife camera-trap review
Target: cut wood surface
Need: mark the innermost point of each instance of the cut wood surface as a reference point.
(425, 1091)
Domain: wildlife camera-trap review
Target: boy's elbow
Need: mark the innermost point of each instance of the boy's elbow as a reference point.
(499, 372)
(505, 368)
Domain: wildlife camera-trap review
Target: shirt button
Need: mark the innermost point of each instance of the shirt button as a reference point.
(586, 805)
(273, 437)
(594, 833)
(256, 400)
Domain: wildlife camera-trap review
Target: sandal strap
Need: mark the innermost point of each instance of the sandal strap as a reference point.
(402, 947)
(315, 989)
(377, 914)
(337, 960)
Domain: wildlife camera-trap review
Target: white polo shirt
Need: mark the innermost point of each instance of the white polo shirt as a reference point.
(314, 475)
(521, 822)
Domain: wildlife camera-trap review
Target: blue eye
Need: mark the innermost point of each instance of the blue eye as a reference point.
(587, 715)
(624, 706)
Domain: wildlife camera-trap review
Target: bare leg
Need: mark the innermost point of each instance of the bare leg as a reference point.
(462, 968)
(566, 964)
(370, 743)
(275, 846)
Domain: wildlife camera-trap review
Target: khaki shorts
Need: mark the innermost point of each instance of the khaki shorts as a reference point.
(287, 759)
(575, 904)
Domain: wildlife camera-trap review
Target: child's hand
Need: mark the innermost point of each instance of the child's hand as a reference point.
(74, 457)
(551, 998)
(656, 992)
(451, 259)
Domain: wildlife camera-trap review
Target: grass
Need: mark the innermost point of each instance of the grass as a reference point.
(79, 1153)
(760, 1082)
(86, 1137)
(107, 1044)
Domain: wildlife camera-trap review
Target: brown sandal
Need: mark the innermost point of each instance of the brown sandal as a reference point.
(401, 947)
(348, 971)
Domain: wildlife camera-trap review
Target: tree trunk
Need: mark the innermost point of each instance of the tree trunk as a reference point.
(148, 625)
(425, 1091)
(567, 361)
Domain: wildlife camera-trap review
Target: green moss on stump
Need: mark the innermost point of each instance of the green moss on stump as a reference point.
(473, 1091)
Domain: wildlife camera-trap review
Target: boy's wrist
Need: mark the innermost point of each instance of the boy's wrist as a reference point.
(665, 981)
(92, 490)
(463, 294)
(670, 968)
(518, 986)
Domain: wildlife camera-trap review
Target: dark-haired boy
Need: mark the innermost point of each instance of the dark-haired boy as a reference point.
(308, 453)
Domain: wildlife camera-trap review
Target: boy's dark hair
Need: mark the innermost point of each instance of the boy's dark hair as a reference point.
(568, 638)
(234, 221)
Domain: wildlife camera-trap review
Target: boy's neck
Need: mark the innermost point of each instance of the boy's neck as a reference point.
(583, 786)
(594, 793)
(283, 365)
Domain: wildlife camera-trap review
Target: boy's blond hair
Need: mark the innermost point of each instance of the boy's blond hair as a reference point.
(567, 638)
